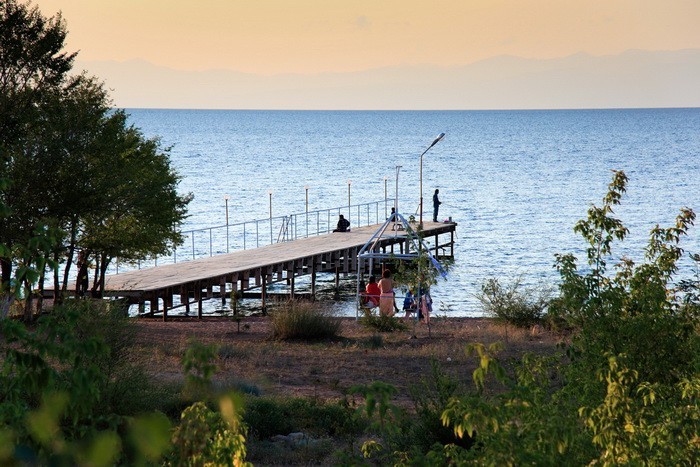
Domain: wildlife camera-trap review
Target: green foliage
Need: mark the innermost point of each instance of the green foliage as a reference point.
(384, 416)
(382, 323)
(512, 303)
(626, 392)
(205, 437)
(305, 321)
(68, 390)
(105, 190)
(425, 429)
(525, 423)
(270, 416)
(199, 368)
(644, 423)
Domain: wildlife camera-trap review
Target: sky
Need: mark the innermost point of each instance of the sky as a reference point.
(312, 36)
(309, 37)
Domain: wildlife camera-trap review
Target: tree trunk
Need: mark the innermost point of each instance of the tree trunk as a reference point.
(6, 295)
(69, 258)
(96, 277)
(40, 298)
(6, 272)
(103, 271)
(56, 284)
(28, 315)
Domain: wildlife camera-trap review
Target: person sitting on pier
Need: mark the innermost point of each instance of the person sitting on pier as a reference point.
(343, 224)
(372, 293)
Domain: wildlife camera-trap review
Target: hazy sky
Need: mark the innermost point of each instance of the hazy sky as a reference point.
(311, 36)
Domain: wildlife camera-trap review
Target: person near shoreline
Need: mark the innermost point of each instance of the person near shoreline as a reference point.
(409, 303)
(343, 224)
(436, 205)
(426, 306)
(372, 292)
(386, 297)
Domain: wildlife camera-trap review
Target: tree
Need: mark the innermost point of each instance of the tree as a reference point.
(142, 208)
(32, 62)
(79, 180)
(626, 392)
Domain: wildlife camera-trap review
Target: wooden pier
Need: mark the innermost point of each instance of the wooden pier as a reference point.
(188, 283)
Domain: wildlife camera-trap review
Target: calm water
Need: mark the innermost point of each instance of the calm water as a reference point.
(515, 181)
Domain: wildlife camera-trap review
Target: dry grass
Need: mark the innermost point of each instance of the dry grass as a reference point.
(326, 369)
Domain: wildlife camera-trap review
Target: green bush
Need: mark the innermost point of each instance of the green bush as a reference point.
(513, 303)
(270, 416)
(305, 321)
(626, 392)
(381, 323)
(70, 388)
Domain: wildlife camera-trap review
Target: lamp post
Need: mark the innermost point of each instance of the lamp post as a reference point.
(436, 141)
(349, 212)
(386, 197)
(270, 193)
(306, 188)
(396, 188)
(226, 198)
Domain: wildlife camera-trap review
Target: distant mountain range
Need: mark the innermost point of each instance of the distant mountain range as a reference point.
(634, 78)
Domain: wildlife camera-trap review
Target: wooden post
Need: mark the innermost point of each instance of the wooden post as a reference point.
(263, 295)
(222, 291)
(313, 279)
(198, 294)
(437, 244)
(290, 276)
(142, 306)
(452, 243)
(337, 279)
(165, 306)
(258, 279)
(185, 294)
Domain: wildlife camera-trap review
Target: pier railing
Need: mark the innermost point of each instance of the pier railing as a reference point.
(227, 238)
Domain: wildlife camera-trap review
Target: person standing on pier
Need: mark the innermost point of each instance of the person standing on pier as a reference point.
(436, 205)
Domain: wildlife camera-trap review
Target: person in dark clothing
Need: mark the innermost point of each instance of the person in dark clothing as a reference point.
(343, 224)
(436, 205)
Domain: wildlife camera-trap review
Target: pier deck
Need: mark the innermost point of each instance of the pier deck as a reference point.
(183, 284)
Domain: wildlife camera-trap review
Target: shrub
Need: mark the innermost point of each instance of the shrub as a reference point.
(382, 323)
(269, 416)
(512, 303)
(304, 320)
(627, 390)
(69, 387)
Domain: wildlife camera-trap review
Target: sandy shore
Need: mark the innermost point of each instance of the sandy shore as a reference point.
(327, 369)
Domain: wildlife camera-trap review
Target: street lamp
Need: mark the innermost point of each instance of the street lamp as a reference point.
(306, 188)
(436, 141)
(226, 198)
(396, 188)
(349, 183)
(386, 197)
(270, 193)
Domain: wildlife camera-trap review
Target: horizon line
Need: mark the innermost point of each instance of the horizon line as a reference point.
(516, 109)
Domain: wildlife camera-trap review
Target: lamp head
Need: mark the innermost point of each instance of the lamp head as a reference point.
(437, 140)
